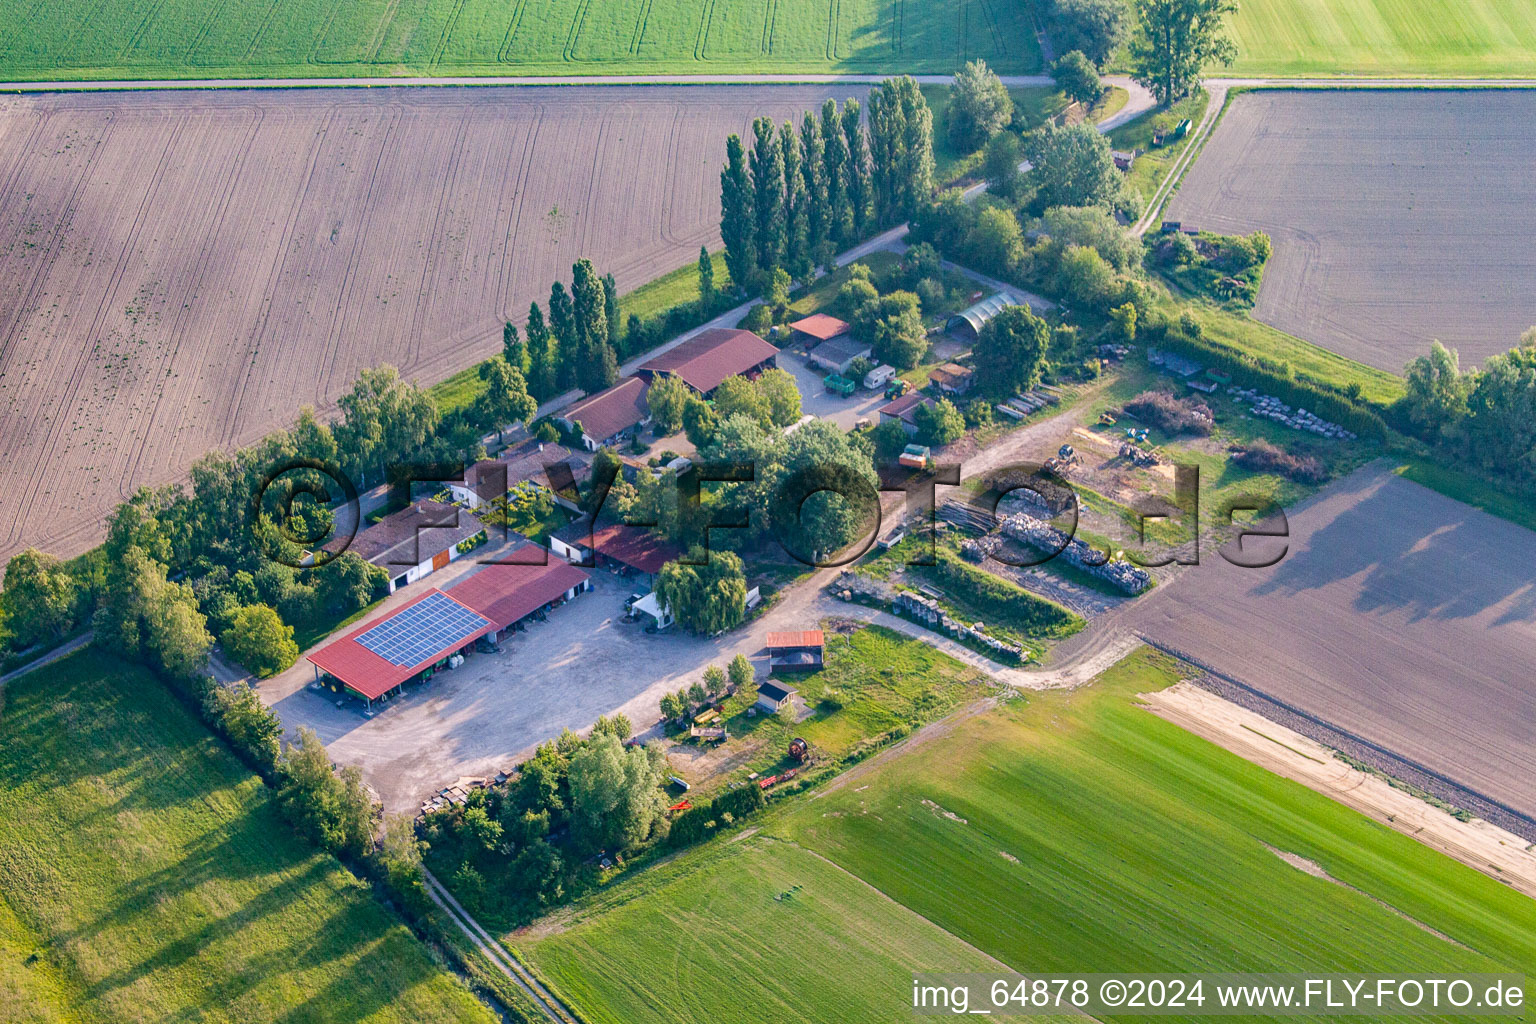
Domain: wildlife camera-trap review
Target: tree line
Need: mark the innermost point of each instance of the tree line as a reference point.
(800, 194)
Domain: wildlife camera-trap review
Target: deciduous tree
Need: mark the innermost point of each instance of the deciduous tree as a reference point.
(1097, 28)
(738, 216)
(1010, 352)
(666, 398)
(767, 162)
(1175, 40)
(258, 640)
(1077, 78)
(979, 106)
(506, 398)
(1073, 166)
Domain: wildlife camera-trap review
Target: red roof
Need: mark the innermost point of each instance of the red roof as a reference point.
(639, 547)
(370, 675)
(710, 357)
(608, 412)
(803, 638)
(819, 325)
(505, 593)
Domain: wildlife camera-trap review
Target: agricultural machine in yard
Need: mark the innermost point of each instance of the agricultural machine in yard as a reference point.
(839, 384)
(896, 389)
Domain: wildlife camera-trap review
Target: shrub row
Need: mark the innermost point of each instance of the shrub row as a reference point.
(698, 822)
(1274, 379)
(1001, 601)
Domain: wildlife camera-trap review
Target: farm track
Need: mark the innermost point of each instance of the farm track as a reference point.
(499, 956)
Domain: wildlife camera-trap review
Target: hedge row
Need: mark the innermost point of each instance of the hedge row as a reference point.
(695, 823)
(1249, 371)
(1001, 601)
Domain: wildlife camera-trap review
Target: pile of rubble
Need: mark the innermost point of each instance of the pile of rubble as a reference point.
(1042, 536)
(1272, 408)
(925, 610)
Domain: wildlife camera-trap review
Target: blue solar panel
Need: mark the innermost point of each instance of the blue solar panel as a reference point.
(430, 625)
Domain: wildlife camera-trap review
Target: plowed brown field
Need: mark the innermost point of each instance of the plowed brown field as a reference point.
(182, 271)
(1398, 615)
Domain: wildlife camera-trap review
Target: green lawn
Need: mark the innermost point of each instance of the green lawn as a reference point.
(330, 38)
(1073, 831)
(1450, 38)
(1453, 483)
(880, 682)
(145, 875)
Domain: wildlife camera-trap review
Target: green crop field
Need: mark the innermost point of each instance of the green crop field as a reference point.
(1071, 832)
(328, 38)
(708, 940)
(1421, 38)
(145, 876)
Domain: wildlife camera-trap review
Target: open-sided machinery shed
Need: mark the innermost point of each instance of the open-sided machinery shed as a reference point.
(377, 657)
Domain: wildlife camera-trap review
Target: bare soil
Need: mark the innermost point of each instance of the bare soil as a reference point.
(1397, 216)
(184, 270)
(1401, 617)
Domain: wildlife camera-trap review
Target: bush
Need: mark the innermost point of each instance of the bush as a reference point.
(1002, 602)
(758, 319)
(1263, 457)
(740, 802)
(1273, 378)
(931, 293)
(1171, 414)
(692, 825)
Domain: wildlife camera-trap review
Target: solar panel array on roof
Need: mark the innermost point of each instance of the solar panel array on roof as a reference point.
(432, 624)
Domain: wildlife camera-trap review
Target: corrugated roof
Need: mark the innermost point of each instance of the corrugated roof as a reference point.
(608, 412)
(707, 359)
(371, 675)
(976, 316)
(797, 638)
(505, 593)
(841, 350)
(820, 325)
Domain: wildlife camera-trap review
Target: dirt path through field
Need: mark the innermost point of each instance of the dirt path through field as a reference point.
(1476, 843)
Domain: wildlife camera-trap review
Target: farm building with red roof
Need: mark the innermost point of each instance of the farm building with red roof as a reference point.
(817, 328)
(378, 656)
(608, 417)
(639, 548)
(705, 360)
(382, 655)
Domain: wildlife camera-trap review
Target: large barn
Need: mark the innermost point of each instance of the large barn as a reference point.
(407, 645)
(705, 360)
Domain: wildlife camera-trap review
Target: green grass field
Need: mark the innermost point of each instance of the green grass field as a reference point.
(705, 939)
(329, 38)
(1421, 38)
(1071, 832)
(145, 875)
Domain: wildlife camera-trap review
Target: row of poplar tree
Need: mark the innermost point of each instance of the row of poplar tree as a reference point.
(575, 346)
(801, 195)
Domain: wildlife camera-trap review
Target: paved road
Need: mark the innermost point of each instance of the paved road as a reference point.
(62, 651)
(117, 85)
